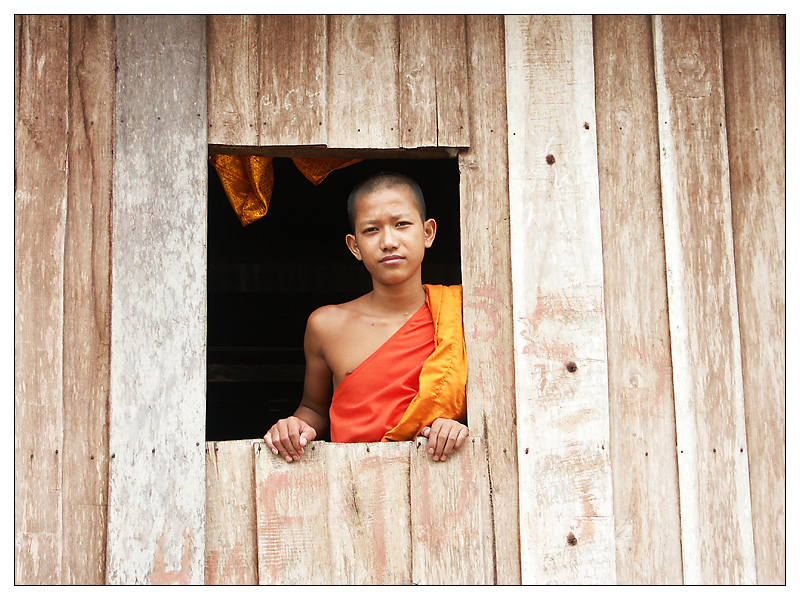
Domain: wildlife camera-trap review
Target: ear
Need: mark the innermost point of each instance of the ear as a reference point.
(430, 232)
(352, 245)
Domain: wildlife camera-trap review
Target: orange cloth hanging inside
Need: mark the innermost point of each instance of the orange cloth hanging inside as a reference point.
(248, 180)
(417, 375)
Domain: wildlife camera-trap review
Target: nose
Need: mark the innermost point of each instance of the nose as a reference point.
(389, 239)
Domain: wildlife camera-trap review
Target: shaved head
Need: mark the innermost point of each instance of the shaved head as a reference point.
(381, 181)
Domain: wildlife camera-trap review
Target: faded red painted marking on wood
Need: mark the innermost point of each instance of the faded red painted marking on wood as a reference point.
(490, 308)
(233, 567)
(160, 574)
(267, 512)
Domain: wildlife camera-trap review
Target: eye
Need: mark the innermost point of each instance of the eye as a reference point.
(404, 223)
(369, 230)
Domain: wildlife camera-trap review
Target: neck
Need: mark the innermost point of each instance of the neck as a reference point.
(404, 297)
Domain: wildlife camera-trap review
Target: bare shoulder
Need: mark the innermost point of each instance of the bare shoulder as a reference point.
(332, 319)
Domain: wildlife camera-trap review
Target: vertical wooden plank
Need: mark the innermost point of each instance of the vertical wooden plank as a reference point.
(566, 518)
(452, 82)
(644, 467)
(486, 277)
(233, 80)
(418, 118)
(230, 553)
(755, 103)
(158, 370)
(87, 299)
(292, 81)
(434, 83)
(716, 526)
(362, 95)
(40, 201)
(451, 534)
(369, 513)
(292, 518)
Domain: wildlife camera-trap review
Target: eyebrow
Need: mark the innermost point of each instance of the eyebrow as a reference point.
(402, 215)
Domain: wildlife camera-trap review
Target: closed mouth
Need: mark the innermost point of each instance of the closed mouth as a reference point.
(392, 258)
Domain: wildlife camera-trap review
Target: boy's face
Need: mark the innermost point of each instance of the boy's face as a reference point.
(390, 235)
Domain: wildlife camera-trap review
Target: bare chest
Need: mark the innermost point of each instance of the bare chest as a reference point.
(355, 343)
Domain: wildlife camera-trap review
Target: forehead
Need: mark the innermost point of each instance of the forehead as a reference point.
(397, 199)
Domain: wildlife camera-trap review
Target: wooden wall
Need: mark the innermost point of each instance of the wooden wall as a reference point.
(623, 260)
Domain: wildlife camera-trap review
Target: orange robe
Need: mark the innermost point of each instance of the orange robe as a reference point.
(417, 375)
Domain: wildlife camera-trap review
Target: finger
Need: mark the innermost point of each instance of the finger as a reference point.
(441, 441)
(280, 439)
(270, 444)
(286, 440)
(293, 430)
(307, 434)
(450, 444)
(433, 435)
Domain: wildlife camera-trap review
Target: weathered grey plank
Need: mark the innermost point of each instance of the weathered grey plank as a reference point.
(230, 552)
(642, 413)
(434, 90)
(369, 513)
(451, 533)
(363, 97)
(418, 100)
(233, 80)
(452, 82)
(157, 403)
(87, 299)
(755, 104)
(292, 518)
(292, 80)
(716, 522)
(40, 202)
(566, 513)
(486, 277)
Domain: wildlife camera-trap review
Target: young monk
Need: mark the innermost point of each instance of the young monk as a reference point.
(389, 365)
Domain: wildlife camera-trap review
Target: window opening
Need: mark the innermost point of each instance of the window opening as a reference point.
(266, 278)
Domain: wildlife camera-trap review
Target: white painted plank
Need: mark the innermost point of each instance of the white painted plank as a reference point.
(566, 513)
(157, 402)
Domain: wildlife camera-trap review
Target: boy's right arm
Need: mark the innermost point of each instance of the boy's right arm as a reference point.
(289, 436)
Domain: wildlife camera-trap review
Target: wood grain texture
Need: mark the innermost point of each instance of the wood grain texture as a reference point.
(363, 94)
(40, 213)
(292, 80)
(158, 366)
(716, 522)
(230, 550)
(566, 512)
(87, 299)
(451, 532)
(755, 104)
(369, 513)
(642, 413)
(292, 521)
(233, 82)
(486, 280)
(434, 90)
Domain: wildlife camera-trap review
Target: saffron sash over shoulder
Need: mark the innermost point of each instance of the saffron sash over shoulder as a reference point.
(443, 378)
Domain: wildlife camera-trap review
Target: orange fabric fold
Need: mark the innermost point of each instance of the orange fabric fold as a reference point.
(248, 180)
(443, 377)
(371, 399)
